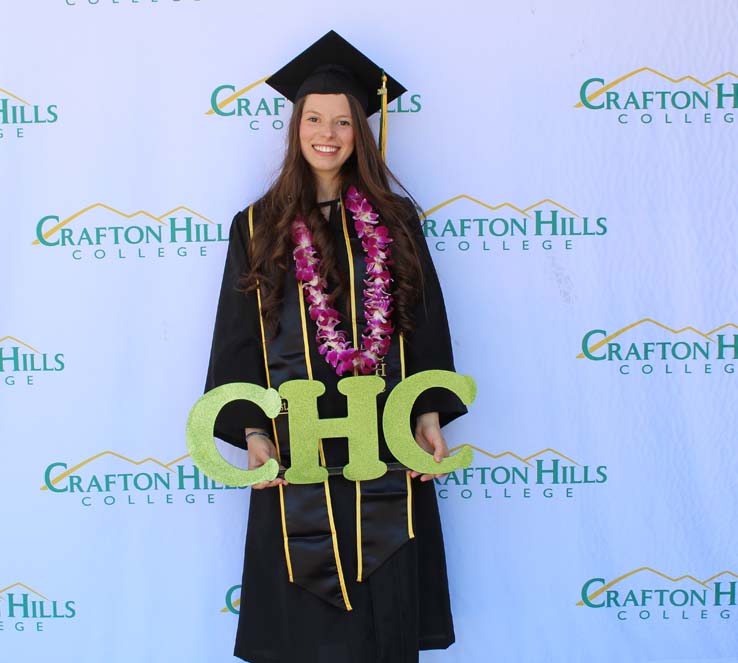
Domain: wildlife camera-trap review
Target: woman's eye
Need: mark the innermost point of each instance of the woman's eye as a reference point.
(311, 118)
(344, 123)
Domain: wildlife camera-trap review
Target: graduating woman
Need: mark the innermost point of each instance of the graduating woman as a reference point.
(329, 275)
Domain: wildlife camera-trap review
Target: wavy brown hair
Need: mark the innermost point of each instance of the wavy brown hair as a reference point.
(293, 193)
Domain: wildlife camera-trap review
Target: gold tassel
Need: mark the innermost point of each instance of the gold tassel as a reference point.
(383, 119)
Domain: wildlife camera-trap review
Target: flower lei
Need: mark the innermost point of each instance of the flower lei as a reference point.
(333, 343)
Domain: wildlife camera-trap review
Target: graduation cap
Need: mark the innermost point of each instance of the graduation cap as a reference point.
(333, 66)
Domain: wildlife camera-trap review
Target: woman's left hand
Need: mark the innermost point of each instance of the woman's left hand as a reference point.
(429, 437)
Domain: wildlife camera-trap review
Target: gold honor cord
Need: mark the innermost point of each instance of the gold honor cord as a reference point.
(274, 422)
(354, 330)
(383, 119)
(383, 152)
(410, 530)
(329, 505)
(346, 237)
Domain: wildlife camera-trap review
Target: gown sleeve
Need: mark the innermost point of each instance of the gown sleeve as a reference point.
(236, 353)
(429, 346)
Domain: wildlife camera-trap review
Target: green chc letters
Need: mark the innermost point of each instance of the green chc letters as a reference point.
(307, 428)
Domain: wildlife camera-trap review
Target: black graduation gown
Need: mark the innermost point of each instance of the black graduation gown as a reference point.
(403, 604)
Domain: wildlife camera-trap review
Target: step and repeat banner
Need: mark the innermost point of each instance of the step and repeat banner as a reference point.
(576, 161)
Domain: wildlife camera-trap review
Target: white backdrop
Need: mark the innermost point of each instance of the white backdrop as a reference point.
(595, 525)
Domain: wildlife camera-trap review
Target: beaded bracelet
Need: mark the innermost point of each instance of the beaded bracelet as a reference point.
(257, 432)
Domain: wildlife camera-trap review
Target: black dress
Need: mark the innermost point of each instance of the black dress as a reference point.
(401, 604)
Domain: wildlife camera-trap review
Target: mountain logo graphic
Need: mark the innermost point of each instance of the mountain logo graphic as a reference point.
(7, 93)
(524, 212)
(23, 588)
(16, 341)
(525, 460)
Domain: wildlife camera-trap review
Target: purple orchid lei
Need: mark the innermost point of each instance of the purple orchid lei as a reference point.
(333, 343)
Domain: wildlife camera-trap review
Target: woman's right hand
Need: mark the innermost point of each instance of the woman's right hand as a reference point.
(260, 450)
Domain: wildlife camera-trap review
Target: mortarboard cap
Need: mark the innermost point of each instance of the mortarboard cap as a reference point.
(333, 66)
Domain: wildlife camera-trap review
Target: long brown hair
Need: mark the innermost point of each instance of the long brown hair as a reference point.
(293, 193)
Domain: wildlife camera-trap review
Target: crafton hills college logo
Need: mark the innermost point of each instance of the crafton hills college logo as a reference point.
(25, 609)
(21, 363)
(232, 601)
(647, 96)
(261, 108)
(18, 115)
(545, 474)
(110, 479)
(465, 224)
(99, 232)
(649, 347)
(648, 594)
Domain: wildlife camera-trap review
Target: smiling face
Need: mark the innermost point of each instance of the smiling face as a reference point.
(326, 133)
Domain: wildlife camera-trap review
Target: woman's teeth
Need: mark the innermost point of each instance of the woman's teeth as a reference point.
(328, 149)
